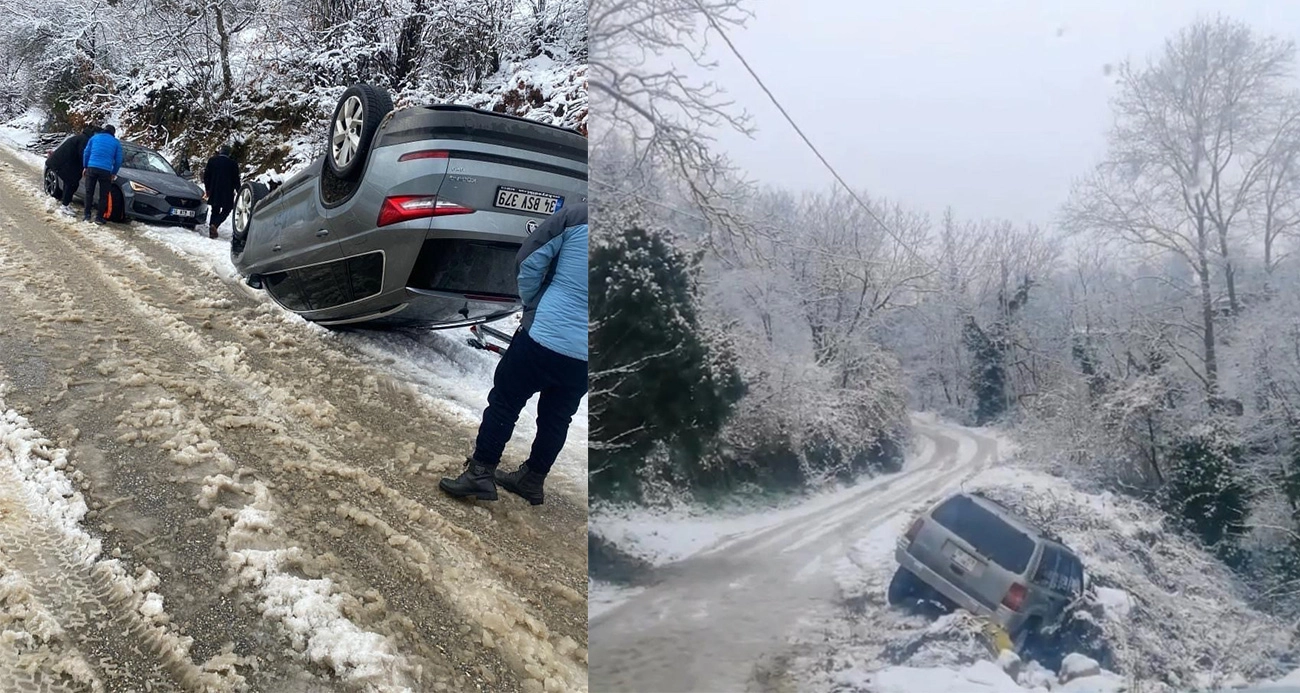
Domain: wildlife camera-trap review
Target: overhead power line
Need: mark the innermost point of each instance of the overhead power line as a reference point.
(748, 68)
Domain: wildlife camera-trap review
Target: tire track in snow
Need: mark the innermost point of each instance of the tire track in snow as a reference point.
(505, 611)
(71, 621)
(695, 631)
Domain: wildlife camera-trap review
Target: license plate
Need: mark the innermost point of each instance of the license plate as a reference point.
(964, 560)
(528, 201)
(182, 212)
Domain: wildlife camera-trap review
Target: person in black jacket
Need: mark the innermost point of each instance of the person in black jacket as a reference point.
(221, 180)
(66, 162)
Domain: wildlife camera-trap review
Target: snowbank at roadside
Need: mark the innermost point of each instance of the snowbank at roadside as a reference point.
(667, 535)
(604, 596)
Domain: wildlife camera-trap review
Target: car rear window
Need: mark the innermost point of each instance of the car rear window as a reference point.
(986, 532)
(1060, 571)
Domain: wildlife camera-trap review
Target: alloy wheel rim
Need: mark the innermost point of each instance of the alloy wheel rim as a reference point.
(347, 132)
(242, 210)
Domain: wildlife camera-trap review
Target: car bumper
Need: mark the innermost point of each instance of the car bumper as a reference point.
(1010, 620)
(411, 307)
(157, 209)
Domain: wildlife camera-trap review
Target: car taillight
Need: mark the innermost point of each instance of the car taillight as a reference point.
(1015, 597)
(425, 154)
(407, 207)
(915, 529)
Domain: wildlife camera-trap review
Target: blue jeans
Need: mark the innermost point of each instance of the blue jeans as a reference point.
(528, 368)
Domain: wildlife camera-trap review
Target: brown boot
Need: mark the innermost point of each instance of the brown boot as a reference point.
(212, 230)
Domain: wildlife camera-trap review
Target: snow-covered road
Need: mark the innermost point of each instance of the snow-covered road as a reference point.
(713, 618)
(258, 494)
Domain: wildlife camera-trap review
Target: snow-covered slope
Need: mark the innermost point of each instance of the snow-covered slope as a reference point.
(1162, 613)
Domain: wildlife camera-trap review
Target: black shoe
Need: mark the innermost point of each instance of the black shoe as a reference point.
(523, 482)
(101, 222)
(475, 481)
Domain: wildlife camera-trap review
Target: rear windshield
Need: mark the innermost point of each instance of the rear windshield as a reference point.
(1060, 571)
(986, 532)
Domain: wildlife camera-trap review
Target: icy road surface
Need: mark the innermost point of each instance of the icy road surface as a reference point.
(199, 491)
(716, 616)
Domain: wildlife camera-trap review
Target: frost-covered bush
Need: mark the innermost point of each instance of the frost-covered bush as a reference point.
(658, 376)
(188, 75)
(798, 426)
(1206, 490)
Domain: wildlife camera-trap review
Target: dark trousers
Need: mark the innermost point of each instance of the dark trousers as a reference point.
(103, 179)
(219, 210)
(526, 369)
(71, 181)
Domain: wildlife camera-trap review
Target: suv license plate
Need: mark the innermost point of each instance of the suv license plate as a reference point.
(182, 212)
(528, 201)
(964, 560)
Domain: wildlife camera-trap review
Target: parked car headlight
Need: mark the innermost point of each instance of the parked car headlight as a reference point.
(138, 187)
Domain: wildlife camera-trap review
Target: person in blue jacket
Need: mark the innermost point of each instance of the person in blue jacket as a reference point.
(548, 355)
(101, 162)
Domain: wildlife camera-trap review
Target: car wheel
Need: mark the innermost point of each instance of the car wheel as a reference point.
(902, 588)
(116, 211)
(53, 186)
(353, 127)
(1025, 641)
(245, 202)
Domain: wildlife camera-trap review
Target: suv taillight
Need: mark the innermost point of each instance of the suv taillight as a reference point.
(407, 207)
(1015, 597)
(915, 529)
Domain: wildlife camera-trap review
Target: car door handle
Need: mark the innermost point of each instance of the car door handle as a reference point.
(322, 233)
(276, 249)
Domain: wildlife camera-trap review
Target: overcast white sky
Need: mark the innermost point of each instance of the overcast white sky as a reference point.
(978, 104)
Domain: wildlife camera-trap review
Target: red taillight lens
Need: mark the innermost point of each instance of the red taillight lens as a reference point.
(915, 529)
(426, 154)
(407, 207)
(1015, 597)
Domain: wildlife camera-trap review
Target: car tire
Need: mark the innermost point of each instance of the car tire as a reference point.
(1026, 640)
(53, 185)
(246, 200)
(903, 587)
(352, 129)
(116, 211)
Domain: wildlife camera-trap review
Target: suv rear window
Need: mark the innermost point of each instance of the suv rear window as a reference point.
(1060, 571)
(988, 533)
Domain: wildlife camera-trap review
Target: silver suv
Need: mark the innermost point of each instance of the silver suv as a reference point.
(978, 555)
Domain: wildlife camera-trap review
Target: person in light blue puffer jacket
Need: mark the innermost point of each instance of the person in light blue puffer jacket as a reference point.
(548, 355)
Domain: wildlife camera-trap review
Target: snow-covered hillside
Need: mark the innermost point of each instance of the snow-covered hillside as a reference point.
(265, 75)
(1161, 612)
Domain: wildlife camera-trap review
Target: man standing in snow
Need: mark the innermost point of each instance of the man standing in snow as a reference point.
(101, 162)
(220, 180)
(548, 355)
(66, 163)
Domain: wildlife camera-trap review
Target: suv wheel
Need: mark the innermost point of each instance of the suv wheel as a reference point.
(903, 587)
(1027, 638)
(352, 129)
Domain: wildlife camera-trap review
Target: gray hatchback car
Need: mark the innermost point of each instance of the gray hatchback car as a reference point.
(979, 555)
(412, 217)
